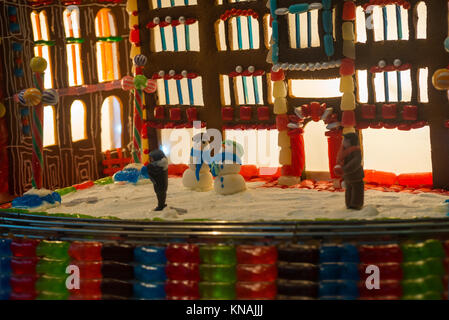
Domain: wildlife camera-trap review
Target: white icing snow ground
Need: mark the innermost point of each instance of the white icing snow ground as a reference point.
(137, 202)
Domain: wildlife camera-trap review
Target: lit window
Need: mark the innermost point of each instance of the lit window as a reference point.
(362, 86)
(176, 143)
(360, 25)
(73, 36)
(158, 4)
(315, 88)
(421, 24)
(180, 91)
(42, 48)
(393, 86)
(389, 22)
(111, 124)
(107, 46)
(423, 75)
(303, 29)
(247, 89)
(316, 147)
(176, 36)
(49, 126)
(78, 120)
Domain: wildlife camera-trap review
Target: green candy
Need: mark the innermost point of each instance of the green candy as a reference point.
(104, 181)
(220, 254)
(52, 296)
(423, 268)
(424, 296)
(217, 291)
(218, 273)
(53, 285)
(140, 82)
(434, 249)
(64, 191)
(423, 250)
(52, 267)
(57, 250)
(422, 285)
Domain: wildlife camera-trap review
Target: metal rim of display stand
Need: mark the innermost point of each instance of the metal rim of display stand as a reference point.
(70, 229)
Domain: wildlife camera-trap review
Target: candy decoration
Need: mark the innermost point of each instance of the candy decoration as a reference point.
(151, 86)
(38, 64)
(32, 97)
(50, 97)
(127, 83)
(140, 60)
(140, 81)
(440, 79)
(21, 98)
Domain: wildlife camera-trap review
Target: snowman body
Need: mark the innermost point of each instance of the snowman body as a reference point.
(228, 180)
(205, 181)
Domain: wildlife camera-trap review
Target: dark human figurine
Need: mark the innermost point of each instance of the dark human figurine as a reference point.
(349, 165)
(158, 173)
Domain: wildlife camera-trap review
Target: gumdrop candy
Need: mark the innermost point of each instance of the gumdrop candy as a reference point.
(348, 119)
(221, 254)
(53, 249)
(279, 89)
(182, 253)
(150, 273)
(189, 289)
(278, 75)
(149, 291)
(347, 67)
(218, 273)
(347, 101)
(255, 290)
(280, 106)
(183, 271)
(348, 31)
(329, 45)
(346, 84)
(349, 49)
(84, 250)
(349, 10)
(285, 156)
(247, 254)
(214, 290)
(150, 255)
(256, 272)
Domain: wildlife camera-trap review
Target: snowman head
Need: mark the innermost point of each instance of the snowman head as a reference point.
(198, 143)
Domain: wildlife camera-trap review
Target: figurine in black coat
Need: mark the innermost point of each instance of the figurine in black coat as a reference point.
(158, 172)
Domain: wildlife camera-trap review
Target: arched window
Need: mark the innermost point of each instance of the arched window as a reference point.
(421, 24)
(73, 36)
(41, 37)
(107, 46)
(316, 148)
(111, 124)
(49, 126)
(78, 120)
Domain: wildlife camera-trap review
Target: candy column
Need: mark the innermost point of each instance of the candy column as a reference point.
(149, 273)
(339, 272)
(347, 68)
(423, 270)
(388, 259)
(5, 268)
(256, 272)
(217, 272)
(117, 271)
(183, 272)
(298, 272)
(87, 257)
(51, 269)
(23, 269)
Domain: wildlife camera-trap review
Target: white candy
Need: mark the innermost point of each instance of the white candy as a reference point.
(291, 67)
(161, 73)
(304, 67)
(251, 69)
(397, 62)
(298, 66)
(318, 66)
(382, 63)
(239, 69)
(281, 11)
(168, 19)
(325, 65)
(182, 19)
(284, 66)
(171, 73)
(311, 66)
(184, 73)
(156, 20)
(315, 5)
(338, 63)
(276, 67)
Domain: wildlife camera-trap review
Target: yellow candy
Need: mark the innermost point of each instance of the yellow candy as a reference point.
(285, 156)
(346, 84)
(32, 96)
(131, 6)
(134, 51)
(2, 110)
(280, 106)
(349, 49)
(348, 31)
(133, 20)
(38, 64)
(347, 101)
(283, 139)
(348, 130)
(279, 89)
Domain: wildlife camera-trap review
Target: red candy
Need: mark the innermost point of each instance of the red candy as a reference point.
(256, 272)
(347, 67)
(182, 271)
(89, 269)
(159, 113)
(24, 247)
(282, 122)
(183, 253)
(389, 271)
(23, 283)
(84, 185)
(192, 114)
(175, 114)
(390, 288)
(24, 266)
(247, 254)
(348, 118)
(245, 113)
(349, 11)
(389, 111)
(278, 75)
(255, 290)
(377, 254)
(88, 287)
(227, 113)
(263, 113)
(182, 289)
(410, 112)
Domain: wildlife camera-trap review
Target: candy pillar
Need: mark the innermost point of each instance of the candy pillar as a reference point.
(347, 68)
(298, 153)
(139, 145)
(334, 140)
(38, 66)
(131, 8)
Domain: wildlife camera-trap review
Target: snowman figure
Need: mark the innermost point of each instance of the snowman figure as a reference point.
(226, 168)
(198, 176)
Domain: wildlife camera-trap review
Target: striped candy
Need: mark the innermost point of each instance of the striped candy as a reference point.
(140, 60)
(32, 97)
(22, 98)
(127, 83)
(50, 97)
(151, 86)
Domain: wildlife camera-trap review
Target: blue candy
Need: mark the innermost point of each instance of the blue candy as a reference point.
(327, 4)
(149, 291)
(344, 288)
(330, 253)
(349, 253)
(12, 11)
(327, 21)
(5, 266)
(150, 273)
(150, 255)
(339, 271)
(27, 201)
(273, 7)
(298, 8)
(16, 46)
(5, 248)
(329, 45)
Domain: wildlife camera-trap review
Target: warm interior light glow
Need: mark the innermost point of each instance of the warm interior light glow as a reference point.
(107, 52)
(244, 33)
(315, 88)
(111, 124)
(268, 31)
(221, 35)
(362, 86)
(304, 30)
(421, 24)
(49, 126)
(78, 120)
(225, 90)
(397, 151)
(168, 3)
(316, 149)
(360, 25)
(423, 78)
(260, 146)
(40, 32)
(239, 90)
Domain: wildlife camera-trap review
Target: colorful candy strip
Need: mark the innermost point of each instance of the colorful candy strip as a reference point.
(190, 85)
(399, 82)
(187, 36)
(256, 89)
(164, 44)
(385, 18)
(167, 94)
(250, 32)
(175, 39)
(387, 93)
(298, 31)
(399, 21)
(159, 4)
(245, 90)
(239, 33)
(178, 87)
(37, 135)
(137, 130)
(309, 29)
(186, 2)
(172, 3)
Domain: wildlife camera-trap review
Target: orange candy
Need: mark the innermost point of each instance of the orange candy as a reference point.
(348, 11)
